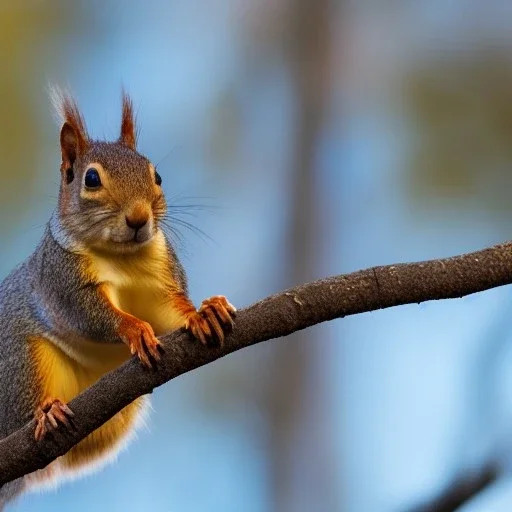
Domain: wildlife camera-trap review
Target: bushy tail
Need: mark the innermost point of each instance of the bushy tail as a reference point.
(9, 491)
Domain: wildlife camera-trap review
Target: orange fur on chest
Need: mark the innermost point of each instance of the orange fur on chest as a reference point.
(140, 284)
(59, 376)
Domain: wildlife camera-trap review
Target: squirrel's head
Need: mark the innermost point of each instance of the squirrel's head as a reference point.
(110, 195)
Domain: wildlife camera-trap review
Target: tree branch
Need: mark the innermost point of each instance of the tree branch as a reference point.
(461, 491)
(273, 317)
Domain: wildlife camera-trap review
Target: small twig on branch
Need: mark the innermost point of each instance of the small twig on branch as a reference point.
(273, 317)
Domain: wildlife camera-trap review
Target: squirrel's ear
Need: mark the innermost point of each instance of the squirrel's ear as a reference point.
(128, 135)
(73, 134)
(69, 146)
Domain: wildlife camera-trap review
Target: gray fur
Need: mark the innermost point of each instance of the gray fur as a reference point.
(178, 272)
(19, 319)
(71, 305)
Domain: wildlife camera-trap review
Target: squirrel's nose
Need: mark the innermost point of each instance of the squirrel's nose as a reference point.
(136, 222)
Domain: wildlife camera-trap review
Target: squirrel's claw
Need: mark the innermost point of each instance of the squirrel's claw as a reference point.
(199, 327)
(222, 307)
(215, 316)
(48, 416)
(141, 339)
(214, 322)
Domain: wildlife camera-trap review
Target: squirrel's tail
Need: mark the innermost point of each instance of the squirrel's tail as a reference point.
(10, 491)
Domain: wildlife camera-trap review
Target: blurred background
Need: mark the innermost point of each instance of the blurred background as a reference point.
(303, 138)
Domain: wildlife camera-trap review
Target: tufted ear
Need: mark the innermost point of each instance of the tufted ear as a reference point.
(69, 146)
(73, 134)
(128, 135)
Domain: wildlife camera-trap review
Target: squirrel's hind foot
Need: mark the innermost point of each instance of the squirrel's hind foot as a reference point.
(49, 415)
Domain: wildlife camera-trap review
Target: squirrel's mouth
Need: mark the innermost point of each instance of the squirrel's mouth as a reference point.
(134, 235)
(134, 242)
(125, 238)
(140, 238)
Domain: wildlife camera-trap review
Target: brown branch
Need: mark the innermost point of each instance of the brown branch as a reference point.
(461, 491)
(273, 317)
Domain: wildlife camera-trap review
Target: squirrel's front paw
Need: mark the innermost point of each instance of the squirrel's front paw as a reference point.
(48, 416)
(141, 339)
(214, 317)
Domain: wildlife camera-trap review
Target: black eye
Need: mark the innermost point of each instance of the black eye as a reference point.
(158, 179)
(92, 178)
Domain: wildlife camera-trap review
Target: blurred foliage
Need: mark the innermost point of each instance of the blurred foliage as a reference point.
(20, 30)
(30, 32)
(461, 109)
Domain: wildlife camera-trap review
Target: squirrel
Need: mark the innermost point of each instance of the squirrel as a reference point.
(102, 284)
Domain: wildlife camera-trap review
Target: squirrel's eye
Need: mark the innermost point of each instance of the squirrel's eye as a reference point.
(158, 179)
(92, 178)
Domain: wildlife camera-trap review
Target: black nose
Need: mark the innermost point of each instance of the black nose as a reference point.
(136, 222)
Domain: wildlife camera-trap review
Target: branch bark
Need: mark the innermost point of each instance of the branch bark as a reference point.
(279, 315)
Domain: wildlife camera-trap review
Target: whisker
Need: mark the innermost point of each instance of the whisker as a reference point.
(174, 234)
(95, 223)
(191, 206)
(193, 229)
(165, 157)
(192, 202)
(95, 214)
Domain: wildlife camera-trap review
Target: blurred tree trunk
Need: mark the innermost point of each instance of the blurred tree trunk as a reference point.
(301, 469)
